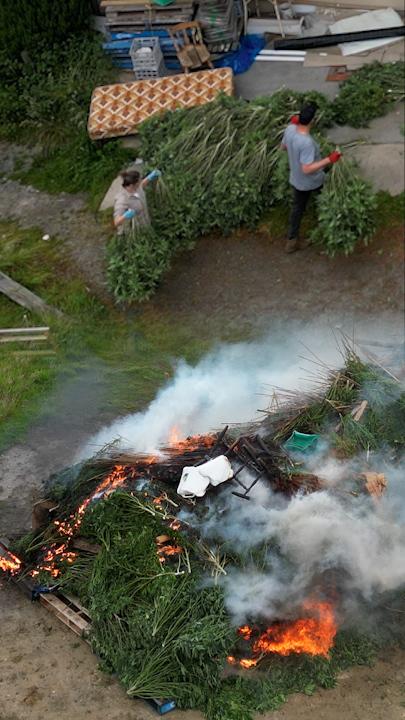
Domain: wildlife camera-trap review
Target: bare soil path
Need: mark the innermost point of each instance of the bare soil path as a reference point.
(247, 278)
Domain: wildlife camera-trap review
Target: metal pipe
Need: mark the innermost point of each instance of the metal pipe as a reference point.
(328, 40)
(272, 58)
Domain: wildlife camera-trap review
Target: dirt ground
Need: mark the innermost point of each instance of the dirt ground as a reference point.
(47, 672)
(247, 278)
(242, 280)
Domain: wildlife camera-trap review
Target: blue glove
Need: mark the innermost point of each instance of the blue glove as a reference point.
(129, 214)
(154, 175)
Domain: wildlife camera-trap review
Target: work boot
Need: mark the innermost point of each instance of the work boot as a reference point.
(291, 245)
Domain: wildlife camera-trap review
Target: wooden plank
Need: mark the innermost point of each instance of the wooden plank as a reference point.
(74, 601)
(145, 21)
(23, 331)
(67, 615)
(83, 544)
(21, 295)
(23, 338)
(27, 353)
(357, 4)
(127, 5)
(171, 9)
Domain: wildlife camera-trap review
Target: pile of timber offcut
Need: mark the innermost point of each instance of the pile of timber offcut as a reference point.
(135, 15)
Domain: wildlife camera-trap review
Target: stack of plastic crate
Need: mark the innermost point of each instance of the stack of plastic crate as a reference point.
(147, 58)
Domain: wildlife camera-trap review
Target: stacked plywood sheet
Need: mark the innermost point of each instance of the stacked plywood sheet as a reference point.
(134, 15)
(117, 110)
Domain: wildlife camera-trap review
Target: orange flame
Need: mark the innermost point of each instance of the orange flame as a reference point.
(245, 632)
(248, 662)
(194, 442)
(175, 525)
(174, 435)
(312, 635)
(67, 528)
(169, 550)
(11, 563)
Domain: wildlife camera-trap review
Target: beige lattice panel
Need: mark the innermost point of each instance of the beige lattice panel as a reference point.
(118, 109)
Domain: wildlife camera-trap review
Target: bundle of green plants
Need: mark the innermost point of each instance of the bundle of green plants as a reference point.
(156, 626)
(369, 93)
(136, 261)
(329, 410)
(345, 210)
(288, 102)
(216, 163)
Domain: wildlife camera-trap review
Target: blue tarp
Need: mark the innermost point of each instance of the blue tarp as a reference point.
(239, 60)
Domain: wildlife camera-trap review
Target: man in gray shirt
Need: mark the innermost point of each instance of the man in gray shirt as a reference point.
(306, 169)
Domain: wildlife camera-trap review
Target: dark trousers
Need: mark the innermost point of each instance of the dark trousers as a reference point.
(300, 201)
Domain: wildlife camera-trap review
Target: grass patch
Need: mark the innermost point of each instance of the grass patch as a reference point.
(136, 354)
(78, 166)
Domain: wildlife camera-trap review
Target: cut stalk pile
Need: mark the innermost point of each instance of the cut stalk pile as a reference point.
(222, 167)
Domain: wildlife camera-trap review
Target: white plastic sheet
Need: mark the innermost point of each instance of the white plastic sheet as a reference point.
(195, 480)
(374, 20)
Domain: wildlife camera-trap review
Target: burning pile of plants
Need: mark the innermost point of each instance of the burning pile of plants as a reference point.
(231, 601)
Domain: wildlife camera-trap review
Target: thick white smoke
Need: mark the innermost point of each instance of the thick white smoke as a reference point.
(306, 535)
(364, 540)
(228, 385)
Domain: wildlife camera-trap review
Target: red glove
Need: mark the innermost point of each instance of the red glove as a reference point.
(295, 120)
(334, 156)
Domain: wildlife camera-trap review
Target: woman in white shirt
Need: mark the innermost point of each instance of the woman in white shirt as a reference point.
(130, 206)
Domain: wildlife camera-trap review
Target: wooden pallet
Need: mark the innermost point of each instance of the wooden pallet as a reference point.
(69, 611)
(27, 334)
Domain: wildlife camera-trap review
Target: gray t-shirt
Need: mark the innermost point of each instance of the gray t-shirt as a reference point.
(302, 150)
(132, 201)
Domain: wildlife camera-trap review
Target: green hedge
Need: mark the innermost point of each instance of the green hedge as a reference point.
(25, 23)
